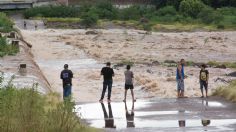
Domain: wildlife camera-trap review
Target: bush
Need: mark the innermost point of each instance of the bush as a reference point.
(228, 92)
(229, 11)
(209, 15)
(6, 25)
(106, 10)
(168, 10)
(7, 49)
(220, 26)
(52, 11)
(191, 7)
(89, 19)
(162, 3)
(131, 13)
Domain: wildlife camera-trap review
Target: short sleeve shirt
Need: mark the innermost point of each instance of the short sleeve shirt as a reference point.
(129, 77)
(107, 73)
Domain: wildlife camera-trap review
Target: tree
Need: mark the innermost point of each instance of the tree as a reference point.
(191, 7)
(220, 3)
(208, 15)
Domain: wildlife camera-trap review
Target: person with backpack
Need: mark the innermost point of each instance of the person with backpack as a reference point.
(66, 76)
(203, 79)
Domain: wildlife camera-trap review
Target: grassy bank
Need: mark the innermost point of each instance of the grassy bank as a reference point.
(164, 18)
(228, 92)
(26, 110)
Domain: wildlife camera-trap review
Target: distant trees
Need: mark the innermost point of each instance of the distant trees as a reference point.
(191, 7)
(220, 3)
(211, 3)
(163, 3)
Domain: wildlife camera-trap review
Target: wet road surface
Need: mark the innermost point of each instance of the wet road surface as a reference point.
(189, 114)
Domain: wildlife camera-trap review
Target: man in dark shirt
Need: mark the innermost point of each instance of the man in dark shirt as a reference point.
(203, 79)
(66, 76)
(107, 73)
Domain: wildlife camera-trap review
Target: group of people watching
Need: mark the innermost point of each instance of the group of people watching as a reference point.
(108, 73)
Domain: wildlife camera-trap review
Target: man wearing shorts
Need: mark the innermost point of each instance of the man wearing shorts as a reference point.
(129, 82)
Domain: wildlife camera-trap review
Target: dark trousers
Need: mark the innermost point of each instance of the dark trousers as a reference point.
(106, 84)
(66, 91)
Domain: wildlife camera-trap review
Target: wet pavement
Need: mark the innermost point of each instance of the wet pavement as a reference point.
(189, 114)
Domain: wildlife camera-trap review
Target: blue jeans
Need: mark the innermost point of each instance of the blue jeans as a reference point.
(66, 91)
(106, 84)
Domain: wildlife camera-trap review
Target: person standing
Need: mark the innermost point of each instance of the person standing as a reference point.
(180, 81)
(203, 79)
(129, 83)
(107, 73)
(66, 76)
(180, 76)
(24, 24)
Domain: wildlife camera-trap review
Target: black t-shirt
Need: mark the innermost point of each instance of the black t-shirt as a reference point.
(107, 73)
(66, 76)
(204, 75)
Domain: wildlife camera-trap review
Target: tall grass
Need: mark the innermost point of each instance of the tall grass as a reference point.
(7, 49)
(26, 110)
(228, 92)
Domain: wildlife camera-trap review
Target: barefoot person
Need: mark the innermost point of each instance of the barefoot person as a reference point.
(107, 73)
(66, 76)
(203, 79)
(129, 82)
(180, 76)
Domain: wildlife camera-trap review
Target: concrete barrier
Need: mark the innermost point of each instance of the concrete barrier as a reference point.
(22, 70)
(15, 43)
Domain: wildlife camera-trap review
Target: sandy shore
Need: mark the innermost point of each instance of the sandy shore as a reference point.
(87, 53)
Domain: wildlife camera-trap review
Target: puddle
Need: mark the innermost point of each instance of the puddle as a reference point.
(121, 116)
(86, 111)
(215, 104)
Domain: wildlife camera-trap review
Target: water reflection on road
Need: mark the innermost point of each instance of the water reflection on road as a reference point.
(120, 116)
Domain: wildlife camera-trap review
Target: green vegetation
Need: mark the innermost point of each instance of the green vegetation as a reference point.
(166, 15)
(6, 25)
(26, 110)
(52, 11)
(7, 49)
(124, 63)
(228, 92)
(222, 64)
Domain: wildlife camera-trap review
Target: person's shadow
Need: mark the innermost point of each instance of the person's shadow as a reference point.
(109, 120)
(129, 116)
